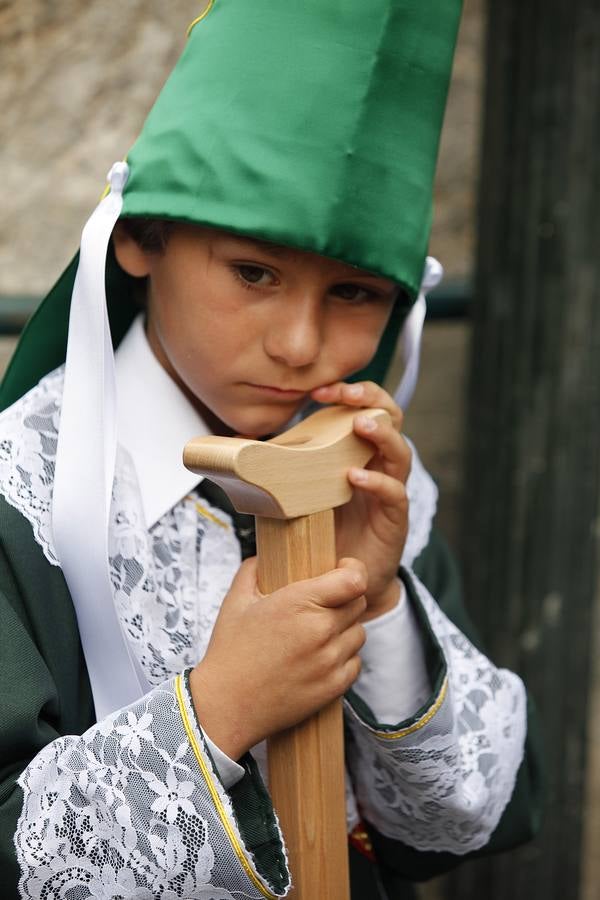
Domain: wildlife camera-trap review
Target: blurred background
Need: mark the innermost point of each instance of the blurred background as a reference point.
(506, 412)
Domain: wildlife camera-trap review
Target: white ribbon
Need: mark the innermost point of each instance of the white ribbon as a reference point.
(412, 331)
(85, 465)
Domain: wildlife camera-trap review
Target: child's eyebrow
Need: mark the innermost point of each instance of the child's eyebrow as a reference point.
(281, 251)
(278, 250)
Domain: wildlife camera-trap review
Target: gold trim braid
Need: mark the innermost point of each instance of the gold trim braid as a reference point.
(206, 514)
(404, 732)
(214, 793)
(200, 17)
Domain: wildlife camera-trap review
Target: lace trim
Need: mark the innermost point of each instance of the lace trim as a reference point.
(168, 582)
(422, 495)
(219, 797)
(28, 437)
(123, 811)
(444, 785)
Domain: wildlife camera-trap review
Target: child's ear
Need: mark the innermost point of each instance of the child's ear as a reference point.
(130, 255)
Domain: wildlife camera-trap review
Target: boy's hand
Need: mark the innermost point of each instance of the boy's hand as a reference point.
(374, 525)
(273, 660)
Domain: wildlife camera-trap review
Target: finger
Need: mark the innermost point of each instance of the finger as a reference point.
(346, 616)
(349, 643)
(362, 393)
(389, 491)
(332, 589)
(393, 449)
(349, 673)
(344, 676)
(244, 587)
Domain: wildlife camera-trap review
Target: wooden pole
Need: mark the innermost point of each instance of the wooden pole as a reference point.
(292, 484)
(306, 763)
(532, 562)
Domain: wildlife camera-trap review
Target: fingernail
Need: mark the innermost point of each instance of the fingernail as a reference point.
(354, 390)
(359, 475)
(366, 423)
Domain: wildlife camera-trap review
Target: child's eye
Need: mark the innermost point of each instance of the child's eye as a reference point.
(354, 293)
(254, 276)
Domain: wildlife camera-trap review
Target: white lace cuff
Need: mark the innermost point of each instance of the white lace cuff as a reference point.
(441, 780)
(133, 808)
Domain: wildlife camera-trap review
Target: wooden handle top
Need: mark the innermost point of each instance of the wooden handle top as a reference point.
(297, 473)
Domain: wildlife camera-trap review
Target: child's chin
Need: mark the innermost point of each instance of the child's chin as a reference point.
(265, 425)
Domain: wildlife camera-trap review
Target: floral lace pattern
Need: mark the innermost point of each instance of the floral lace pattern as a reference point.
(28, 438)
(121, 807)
(124, 812)
(445, 784)
(168, 582)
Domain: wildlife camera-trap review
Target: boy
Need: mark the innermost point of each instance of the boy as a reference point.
(280, 246)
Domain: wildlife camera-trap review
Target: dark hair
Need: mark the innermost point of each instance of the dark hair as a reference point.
(151, 235)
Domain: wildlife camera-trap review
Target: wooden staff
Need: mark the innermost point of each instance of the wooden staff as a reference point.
(292, 484)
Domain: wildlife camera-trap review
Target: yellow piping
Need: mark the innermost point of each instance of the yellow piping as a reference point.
(214, 793)
(404, 732)
(206, 513)
(200, 17)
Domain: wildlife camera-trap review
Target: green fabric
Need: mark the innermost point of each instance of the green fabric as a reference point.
(366, 881)
(45, 693)
(312, 124)
(43, 344)
(44, 687)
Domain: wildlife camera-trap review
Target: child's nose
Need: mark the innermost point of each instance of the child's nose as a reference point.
(294, 335)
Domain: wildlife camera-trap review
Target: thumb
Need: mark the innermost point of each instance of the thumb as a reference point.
(244, 588)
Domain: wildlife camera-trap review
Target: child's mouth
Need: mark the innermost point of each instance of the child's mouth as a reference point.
(282, 394)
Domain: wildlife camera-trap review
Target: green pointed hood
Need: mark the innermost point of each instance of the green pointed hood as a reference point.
(313, 124)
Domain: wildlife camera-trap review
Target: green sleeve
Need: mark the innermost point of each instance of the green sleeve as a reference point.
(45, 695)
(520, 821)
(44, 691)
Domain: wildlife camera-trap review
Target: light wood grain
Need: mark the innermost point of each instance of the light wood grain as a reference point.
(292, 484)
(306, 763)
(299, 472)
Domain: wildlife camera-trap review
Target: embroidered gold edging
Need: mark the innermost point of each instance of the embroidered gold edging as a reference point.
(214, 793)
(208, 515)
(200, 17)
(404, 732)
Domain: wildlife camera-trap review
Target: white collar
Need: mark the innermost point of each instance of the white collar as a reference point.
(154, 421)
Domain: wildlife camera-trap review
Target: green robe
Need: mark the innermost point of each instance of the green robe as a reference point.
(45, 693)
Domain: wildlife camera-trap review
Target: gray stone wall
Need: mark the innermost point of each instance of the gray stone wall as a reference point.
(77, 80)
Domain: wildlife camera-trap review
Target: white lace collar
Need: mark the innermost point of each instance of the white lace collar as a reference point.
(154, 421)
(28, 435)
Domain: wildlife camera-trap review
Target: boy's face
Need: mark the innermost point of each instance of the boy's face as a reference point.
(248, 329)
